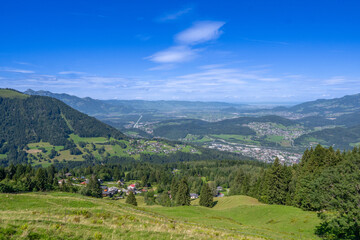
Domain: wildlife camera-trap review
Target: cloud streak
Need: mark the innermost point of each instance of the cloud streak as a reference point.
(200, 32)
(175, 15)
(185, 49)
(13, 70)
(175, 54)
(71, 72)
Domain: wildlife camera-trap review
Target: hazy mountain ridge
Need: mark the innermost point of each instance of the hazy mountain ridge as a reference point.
(170, 119)
(328, 107)
(86, 105)
(102, 107)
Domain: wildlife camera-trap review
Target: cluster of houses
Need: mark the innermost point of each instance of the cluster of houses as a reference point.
(156, 147)
(218, 193)
(111, 191)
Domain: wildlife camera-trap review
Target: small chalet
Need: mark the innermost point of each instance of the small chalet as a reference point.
(113, 190)
(62, 181)
(85, 182)
(105, 191)
(131, 187)
(68, 175)
(194, 196)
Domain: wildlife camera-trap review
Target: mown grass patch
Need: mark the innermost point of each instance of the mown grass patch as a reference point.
(275, 138)
(78, 139)
(47, 146)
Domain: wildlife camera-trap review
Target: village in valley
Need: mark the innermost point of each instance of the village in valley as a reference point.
(120, 189)
(264, 154)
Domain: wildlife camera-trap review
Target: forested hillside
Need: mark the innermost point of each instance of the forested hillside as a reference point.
(176, 129)
(346, 104)
(29, 119)
(338, 137)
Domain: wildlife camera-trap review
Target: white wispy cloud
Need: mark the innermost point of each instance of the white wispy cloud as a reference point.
(185, 50)
(24, 63)
(174, 54)
(200, 32)
(175, 15)
(162, 67)
(71, 72)
(335, 80)
(16, 70)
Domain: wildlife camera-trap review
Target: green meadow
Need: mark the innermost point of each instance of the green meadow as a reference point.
(245, 215)
(72, 216)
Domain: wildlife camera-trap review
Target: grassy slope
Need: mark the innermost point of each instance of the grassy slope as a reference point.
(246, 215)
(7, 93)
(72, 216)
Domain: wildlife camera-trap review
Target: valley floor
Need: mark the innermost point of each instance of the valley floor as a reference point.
(72, 216)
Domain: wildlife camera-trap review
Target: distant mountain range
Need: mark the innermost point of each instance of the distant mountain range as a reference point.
(175, 123)
(112, 107)
(86, 105)
(327, 107)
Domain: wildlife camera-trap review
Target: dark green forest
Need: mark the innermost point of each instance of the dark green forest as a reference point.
(35, 119)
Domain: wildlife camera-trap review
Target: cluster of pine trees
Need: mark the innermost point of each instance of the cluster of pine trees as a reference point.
(326, 181)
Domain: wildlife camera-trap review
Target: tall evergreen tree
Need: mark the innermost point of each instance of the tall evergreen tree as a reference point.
(41, 179)
(174, 188)
(93, 188)
(276, 184)
(131, 199)
(183, 193)
(206, 196)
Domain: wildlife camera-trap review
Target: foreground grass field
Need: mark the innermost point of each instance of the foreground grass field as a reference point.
(72, 216)
(247, 216)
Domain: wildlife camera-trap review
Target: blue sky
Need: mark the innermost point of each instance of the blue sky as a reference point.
(234, 51)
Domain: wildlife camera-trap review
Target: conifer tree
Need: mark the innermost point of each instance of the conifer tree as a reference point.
(131, 199)
(93, 188)
(174, 188)
(206, 196)
(183, 193)
(41, 179)
(276, 184)
(164, 200)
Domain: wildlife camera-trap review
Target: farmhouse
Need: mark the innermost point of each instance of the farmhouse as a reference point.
(194, 196)
(62, 181)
